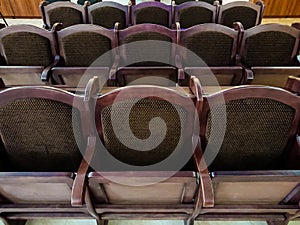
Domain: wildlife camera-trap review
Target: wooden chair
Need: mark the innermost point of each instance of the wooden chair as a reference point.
(269, 53)
(146, 51)
(51, 1)
(152, 12)
(212, 2)
(106, 14)
(209, 52)
(192, 13)
(138, 184)
(248, 13)
(46, 139)
(28, 51)
(91, 2)
(293, 85)
(249, 136)
(85, 50)
(65, 12)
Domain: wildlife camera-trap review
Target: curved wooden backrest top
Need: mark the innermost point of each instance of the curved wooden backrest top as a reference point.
(136, 40)
(23, 42)
(210, 28)
(110, 5)
(272, 29)
(257, 7)
(146, 28)
(42, 118)
(185, 9)
(78, 37)
(245, 98)
(46, 8)
(145, 7)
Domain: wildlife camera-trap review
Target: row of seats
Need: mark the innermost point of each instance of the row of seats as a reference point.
(188, 14)
(265, 54)
(150, 152)
(133, 2)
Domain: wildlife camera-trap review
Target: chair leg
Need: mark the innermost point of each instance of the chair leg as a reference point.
(14, 222)
(189, 222)
(102, 222)
(269, 222)
(91, 209)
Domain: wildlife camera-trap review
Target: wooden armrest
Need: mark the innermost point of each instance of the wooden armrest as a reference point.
(92, 88)
(178, 65)
(46, 72)
(195, 88)
(113, 69)
(248, 76)
(79, 184)
(206, 188)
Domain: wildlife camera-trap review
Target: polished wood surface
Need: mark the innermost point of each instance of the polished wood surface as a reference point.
(283, 8)
(20, 8)
(29, 8)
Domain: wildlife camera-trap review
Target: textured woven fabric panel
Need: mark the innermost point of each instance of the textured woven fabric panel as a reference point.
(27, 49)
(247, 16)
(83, 48)
(38, 135)
(65, 15)
(178, 2)
(140, 115)
(214, 48)
(272, 48)
(152, 15)
(108, 16)
(194, 15)
(256, 134)
(147, 50)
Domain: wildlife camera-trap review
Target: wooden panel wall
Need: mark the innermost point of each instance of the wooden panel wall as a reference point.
(282, 8)
(6, 9)
(20, 8)
(30, 8)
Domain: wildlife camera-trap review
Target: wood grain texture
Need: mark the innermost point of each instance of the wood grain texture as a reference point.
(284, 8)
(20, 8)
(6, 9)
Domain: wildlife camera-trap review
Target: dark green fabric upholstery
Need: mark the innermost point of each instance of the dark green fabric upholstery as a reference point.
(178, 2)
(194, 15)
(256, 134)
(148, 50)
(65, 15)
(27, 49)
(83, 48)
(38, 135)
(108, 16)
(51, 1)
(152, 15)
(140, 115)
(3, 158)
(214, 48)
(247, 16)
(268, 49)
(81, 2)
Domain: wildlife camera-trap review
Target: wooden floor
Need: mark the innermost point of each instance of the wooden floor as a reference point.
(131, 222)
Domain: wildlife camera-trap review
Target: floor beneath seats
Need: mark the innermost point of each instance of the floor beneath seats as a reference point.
(131, 222)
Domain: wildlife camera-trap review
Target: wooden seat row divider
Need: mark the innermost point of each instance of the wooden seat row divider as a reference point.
(77, 163)
(215, 54)
(190, 13)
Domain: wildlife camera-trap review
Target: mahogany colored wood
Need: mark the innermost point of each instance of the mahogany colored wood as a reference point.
(284, 8)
